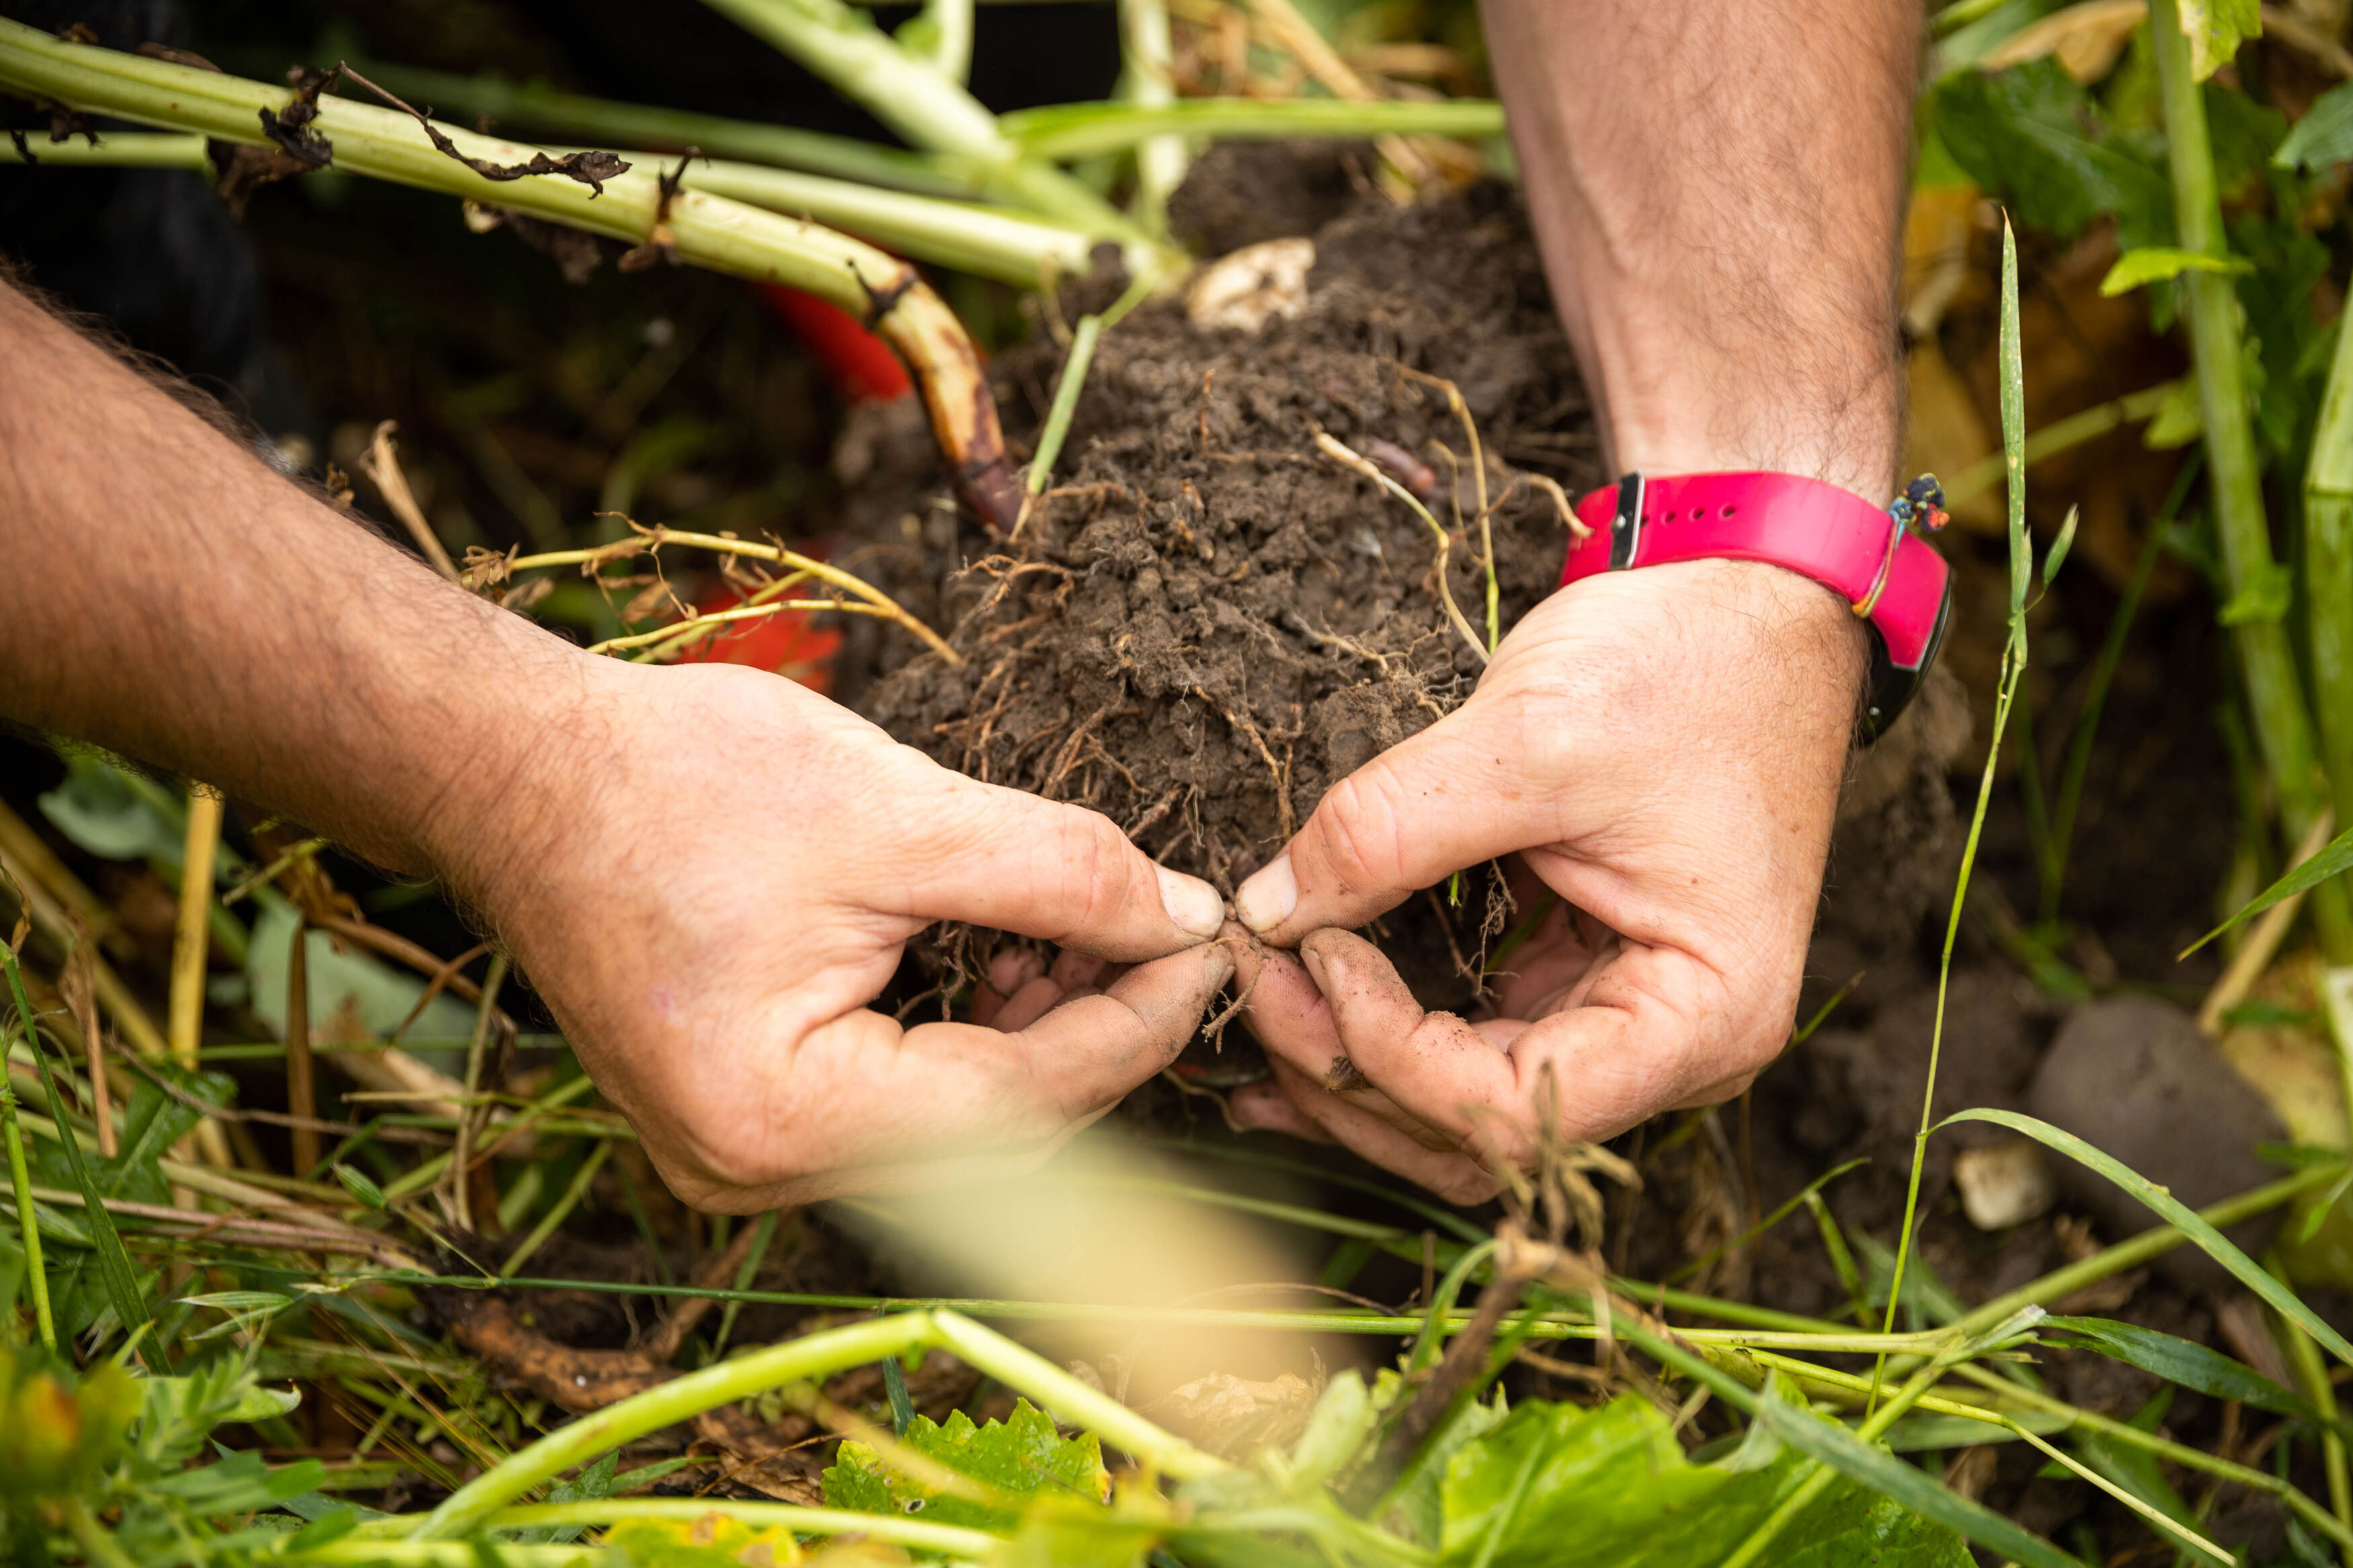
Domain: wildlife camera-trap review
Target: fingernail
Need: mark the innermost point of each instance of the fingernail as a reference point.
(1192, 903)
(1267, 898)
(1315, 968)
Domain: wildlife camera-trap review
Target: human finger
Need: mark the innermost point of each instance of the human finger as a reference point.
(1287, 1014)
(859, 1092)
(1007, 972)
(1643, 1035)
(999, 857)
(1407, 819)
(1449, 1173)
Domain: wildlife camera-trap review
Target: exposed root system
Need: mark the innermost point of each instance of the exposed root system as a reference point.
(1214, 617)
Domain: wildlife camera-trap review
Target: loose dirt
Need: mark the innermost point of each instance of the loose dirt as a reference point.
(1207, 622)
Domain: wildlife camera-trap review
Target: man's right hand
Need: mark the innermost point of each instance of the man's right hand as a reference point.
(717, 870)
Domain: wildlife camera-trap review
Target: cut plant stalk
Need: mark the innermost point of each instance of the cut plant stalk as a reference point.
(190, 947)
(2267, 662)
(703, 229)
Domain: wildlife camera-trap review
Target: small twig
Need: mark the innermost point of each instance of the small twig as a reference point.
(381, 468)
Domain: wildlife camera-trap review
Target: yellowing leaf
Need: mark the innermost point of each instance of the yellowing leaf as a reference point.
(2156, 263)
(2216, 28)
(714, 1540)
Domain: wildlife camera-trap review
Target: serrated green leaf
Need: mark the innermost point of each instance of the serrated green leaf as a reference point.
(1615, 1483)
(1019, 1456)
(2170, 1209)
(2033, 138)
(2156, 263)
(2216, 28)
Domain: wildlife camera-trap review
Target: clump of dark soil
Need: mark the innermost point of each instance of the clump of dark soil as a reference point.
(1207, 621)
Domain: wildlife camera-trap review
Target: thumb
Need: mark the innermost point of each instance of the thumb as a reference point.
(1412, 815)
(997, 856)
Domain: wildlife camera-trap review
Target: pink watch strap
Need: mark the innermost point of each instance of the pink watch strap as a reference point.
(1862, 552)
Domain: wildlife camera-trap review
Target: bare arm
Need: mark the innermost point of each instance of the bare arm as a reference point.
(1719, 189)
(706, 871)
(1717, 186)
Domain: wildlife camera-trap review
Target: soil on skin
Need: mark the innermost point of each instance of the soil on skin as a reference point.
(1206, 623)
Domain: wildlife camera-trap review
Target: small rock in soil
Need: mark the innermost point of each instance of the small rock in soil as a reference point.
(2135, 1077)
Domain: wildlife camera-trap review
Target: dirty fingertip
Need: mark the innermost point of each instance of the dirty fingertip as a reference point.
(1192, 903)
(1266, 900)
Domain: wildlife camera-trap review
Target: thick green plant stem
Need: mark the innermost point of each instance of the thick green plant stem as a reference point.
(538, 107)
(20, 1180)
(1091, 129)
(2328, 574)
(932, 111)
(116, 150)
(812, 1357)
(1147, 54)
(705, 230)
(2274, 691)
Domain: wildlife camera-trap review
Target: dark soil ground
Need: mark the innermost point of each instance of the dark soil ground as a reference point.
(1207, 623)
(1165, 645)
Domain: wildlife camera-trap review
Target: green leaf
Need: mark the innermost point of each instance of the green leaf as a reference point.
(2060, 546)
(2156, 263)
(2033, 138)
(239, 1484)
(2213, 1242)
(325, 1529)
(2324, 136)
(2192, 1366)
(114, 1264)
(2013, 429)
(1615, 1482)
(712, 1541)
(2180, 420)
(360, 1187)
(1900, 1483)
(2216, 28)
(2265, 598)
(1019, 1457)
(2335, 855)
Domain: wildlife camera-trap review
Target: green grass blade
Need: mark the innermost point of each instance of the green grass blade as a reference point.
(2192, 1366)
(113, 1263)
(2013, 425)
(2334, 857)
(1840, 1449)
(2174, 1212)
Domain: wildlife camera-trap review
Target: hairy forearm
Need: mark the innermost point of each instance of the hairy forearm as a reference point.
(1718, 191)
(179, 602)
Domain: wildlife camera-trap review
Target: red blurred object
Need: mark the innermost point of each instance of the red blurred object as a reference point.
(788, 643)
(859, 363)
